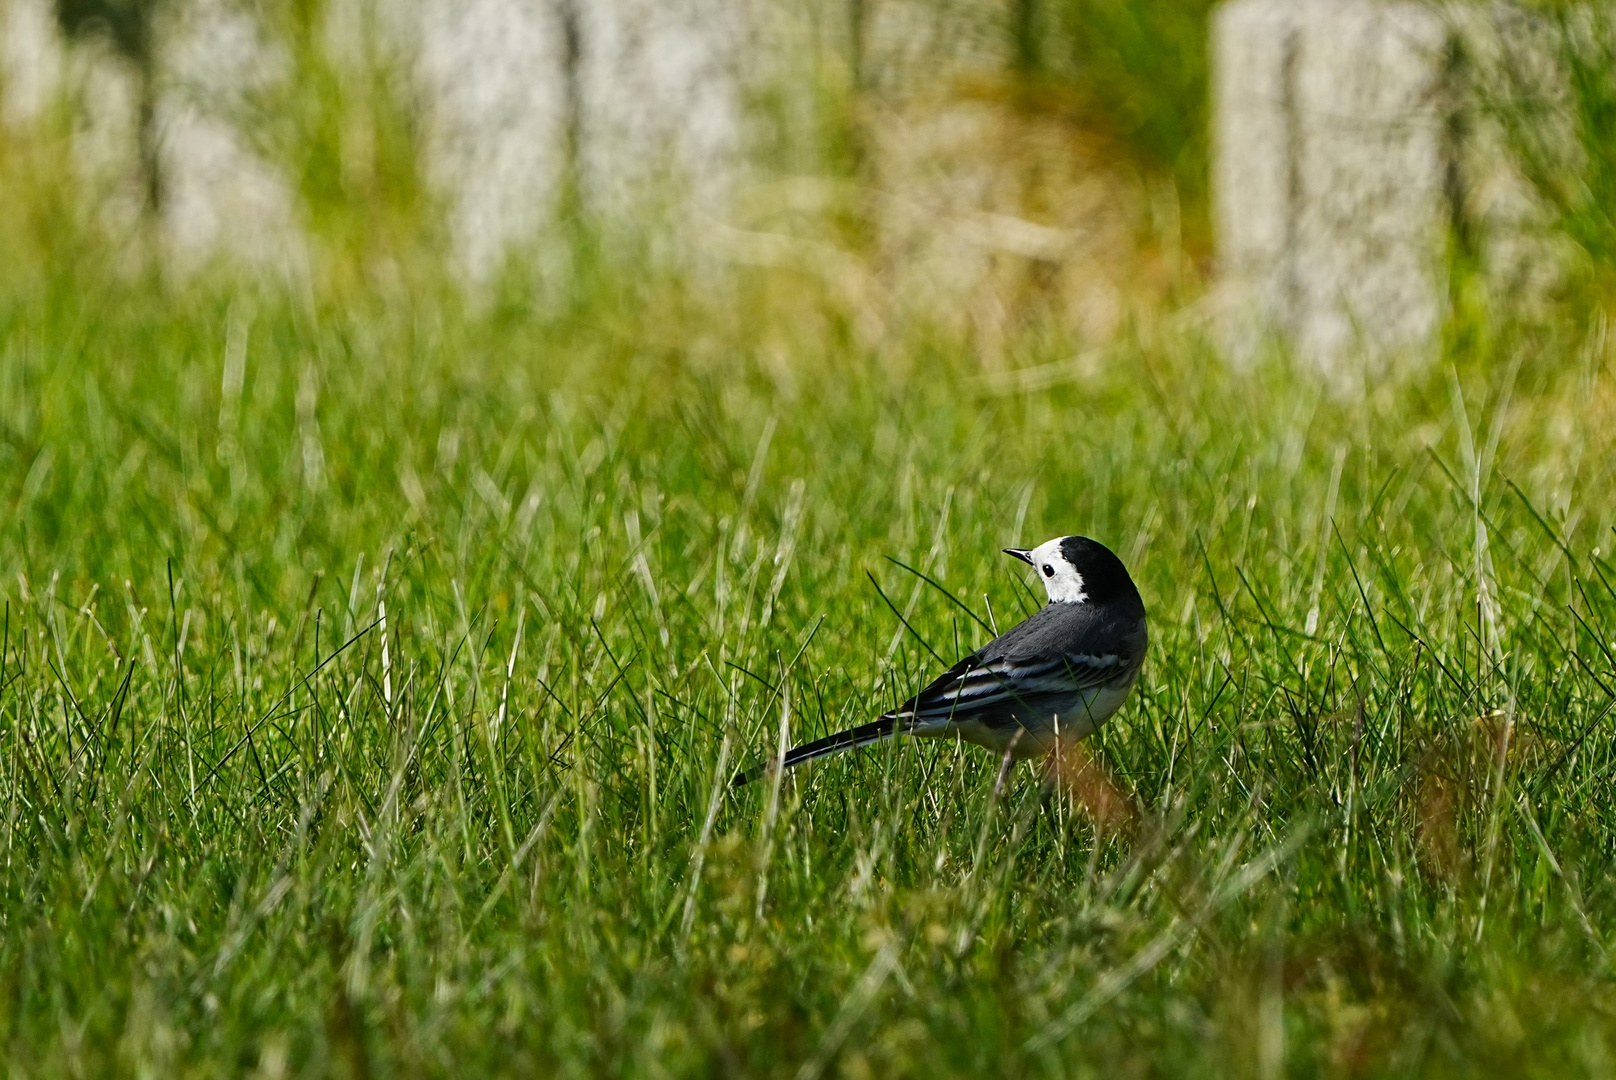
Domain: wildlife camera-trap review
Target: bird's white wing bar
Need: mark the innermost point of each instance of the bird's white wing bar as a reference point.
(1004, 680)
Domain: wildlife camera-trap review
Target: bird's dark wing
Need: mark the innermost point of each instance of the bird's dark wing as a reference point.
(986, 683)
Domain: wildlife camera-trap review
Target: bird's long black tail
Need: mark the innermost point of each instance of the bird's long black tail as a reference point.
(863, 735)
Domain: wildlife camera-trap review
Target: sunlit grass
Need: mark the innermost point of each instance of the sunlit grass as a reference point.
(374, 658)
(372, 672)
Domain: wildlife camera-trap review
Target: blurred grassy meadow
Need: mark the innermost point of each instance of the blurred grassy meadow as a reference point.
(376, 654)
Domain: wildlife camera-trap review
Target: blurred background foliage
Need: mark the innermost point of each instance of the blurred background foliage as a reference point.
(1133, 73)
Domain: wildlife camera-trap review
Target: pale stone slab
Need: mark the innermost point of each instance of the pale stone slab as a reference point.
(1332, 174)
(660, 96)
(221, 198)
(30, 60)
(643, 97)
(494, 95)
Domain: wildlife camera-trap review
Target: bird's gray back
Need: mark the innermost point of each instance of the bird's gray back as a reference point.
(1073, 630)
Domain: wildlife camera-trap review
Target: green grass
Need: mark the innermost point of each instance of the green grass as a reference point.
(372, 669)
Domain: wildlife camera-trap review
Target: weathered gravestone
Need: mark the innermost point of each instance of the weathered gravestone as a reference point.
(214, 192)
(1330, 172)
(1351, 138)
(628, 101)
(637, 100)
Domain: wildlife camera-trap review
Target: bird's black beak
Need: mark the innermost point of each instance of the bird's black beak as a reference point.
(1020, 553)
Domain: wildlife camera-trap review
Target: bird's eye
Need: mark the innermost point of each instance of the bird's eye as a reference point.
(1049, 571)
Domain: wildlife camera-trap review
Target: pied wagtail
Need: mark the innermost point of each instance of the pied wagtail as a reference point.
(1052, 679)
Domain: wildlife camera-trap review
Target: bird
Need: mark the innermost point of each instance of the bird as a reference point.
(1048, 681)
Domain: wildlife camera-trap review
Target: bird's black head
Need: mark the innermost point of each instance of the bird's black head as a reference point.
(1104, 576)
(1077, 570)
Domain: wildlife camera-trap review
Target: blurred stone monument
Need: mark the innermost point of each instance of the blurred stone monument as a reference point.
(223, 195)
(1351, 140)
(634, 98)
(1331, 173)
(638, 98)
(731, 130)
(214, 193)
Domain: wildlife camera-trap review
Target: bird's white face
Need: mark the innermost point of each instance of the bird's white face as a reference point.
(1061, 579)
